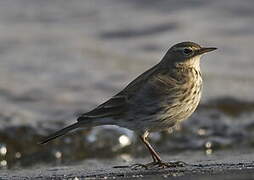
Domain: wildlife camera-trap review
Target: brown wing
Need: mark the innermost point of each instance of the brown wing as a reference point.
(139, 82)
(112, 107)
(118, 104)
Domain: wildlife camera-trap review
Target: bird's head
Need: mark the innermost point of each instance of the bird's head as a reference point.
(186, 53)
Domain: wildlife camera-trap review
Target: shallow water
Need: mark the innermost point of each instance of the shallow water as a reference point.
(219, 125)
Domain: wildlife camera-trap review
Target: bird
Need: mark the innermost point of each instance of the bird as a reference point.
(159, 99)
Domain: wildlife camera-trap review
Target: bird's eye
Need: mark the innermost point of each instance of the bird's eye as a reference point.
(187, 51)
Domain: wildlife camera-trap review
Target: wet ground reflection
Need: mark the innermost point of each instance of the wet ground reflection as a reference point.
(212, 128)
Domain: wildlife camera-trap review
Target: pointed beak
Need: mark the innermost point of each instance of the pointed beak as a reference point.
(205, 50)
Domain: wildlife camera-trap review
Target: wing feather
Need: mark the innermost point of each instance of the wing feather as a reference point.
(112, 107)
(118, 104)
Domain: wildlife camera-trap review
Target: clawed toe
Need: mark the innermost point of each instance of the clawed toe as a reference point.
(170, 164)
(136, 166)
(158, 164)
(139, 166)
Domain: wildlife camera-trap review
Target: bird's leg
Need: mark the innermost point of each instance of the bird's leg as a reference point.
(157, 162)
(154, 154)
(156, 158)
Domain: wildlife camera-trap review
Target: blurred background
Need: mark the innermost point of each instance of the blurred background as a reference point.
(59, 58)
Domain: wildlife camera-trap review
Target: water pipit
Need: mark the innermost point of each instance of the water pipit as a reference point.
(158, 99)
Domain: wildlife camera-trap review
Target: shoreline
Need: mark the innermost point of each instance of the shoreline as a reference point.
(221, 166)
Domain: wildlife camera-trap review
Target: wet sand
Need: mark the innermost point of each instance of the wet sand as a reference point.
(226, 165)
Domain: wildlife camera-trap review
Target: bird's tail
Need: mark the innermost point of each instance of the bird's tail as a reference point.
(60, 133)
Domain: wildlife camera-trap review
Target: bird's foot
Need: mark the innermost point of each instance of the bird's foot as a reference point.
(134, 166)
(158, 164)
(139, 166)
(171, 164)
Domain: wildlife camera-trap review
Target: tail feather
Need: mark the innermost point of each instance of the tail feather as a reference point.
(60, 133)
